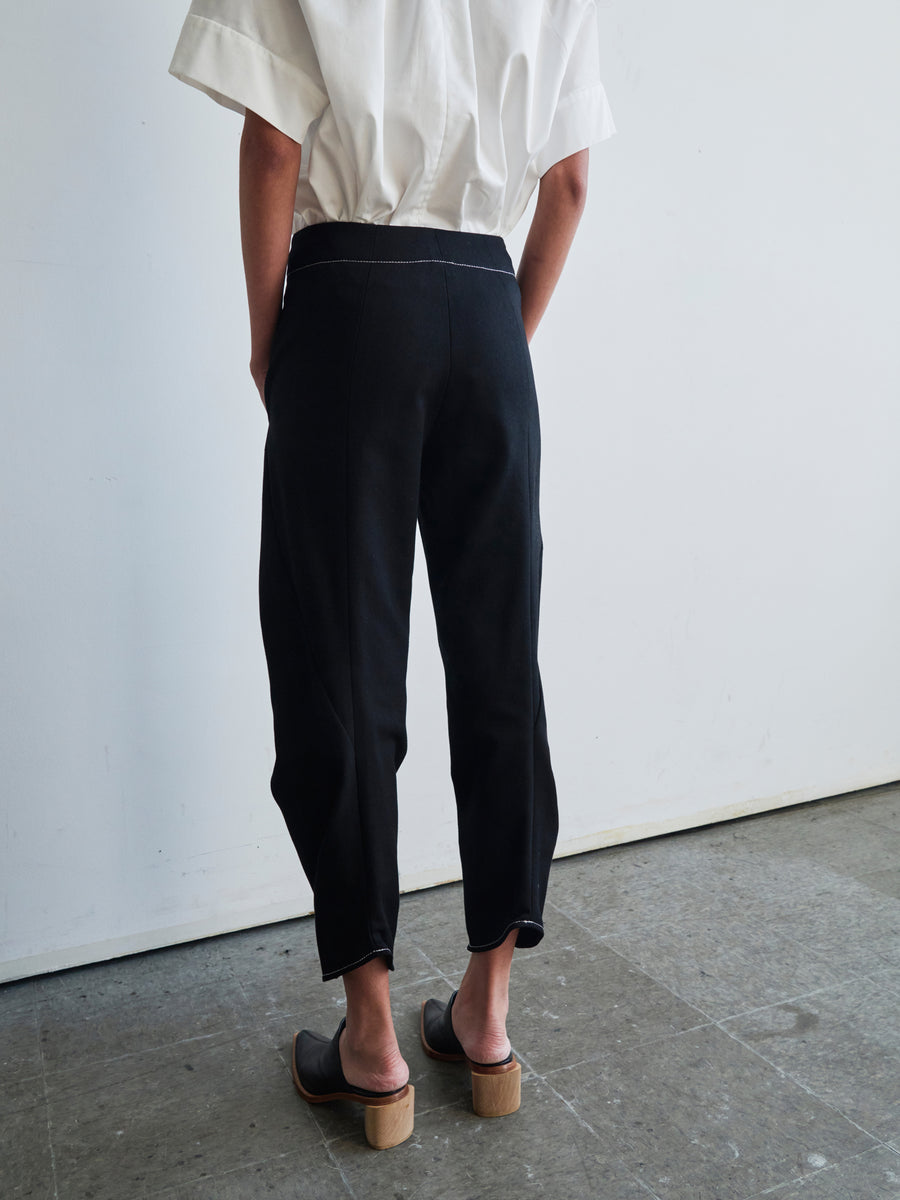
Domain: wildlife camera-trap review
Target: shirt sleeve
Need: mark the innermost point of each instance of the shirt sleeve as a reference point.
(255, 54)
(582, 115)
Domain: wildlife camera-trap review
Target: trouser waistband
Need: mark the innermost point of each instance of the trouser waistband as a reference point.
(357, 241)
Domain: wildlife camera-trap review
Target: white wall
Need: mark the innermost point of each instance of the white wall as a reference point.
(719, 379)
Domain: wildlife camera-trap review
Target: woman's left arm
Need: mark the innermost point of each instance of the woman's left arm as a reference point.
(269, 166)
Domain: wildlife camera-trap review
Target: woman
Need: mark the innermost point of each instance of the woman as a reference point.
(388, 147)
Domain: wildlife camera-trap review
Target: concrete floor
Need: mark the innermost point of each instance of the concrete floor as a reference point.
(713, 1015)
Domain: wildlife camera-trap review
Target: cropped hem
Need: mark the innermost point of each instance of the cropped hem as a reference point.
(385, 950)
(533, 932)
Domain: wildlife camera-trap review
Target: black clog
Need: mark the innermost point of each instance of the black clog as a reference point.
(496, 1087)
(438, 1039)
(319, 1077)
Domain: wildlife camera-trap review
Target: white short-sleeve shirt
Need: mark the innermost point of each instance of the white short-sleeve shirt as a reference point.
(442, 113)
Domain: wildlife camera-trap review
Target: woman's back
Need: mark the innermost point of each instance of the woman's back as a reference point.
(441, 113)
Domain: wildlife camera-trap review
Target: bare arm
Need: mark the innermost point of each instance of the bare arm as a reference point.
(269, 166)
(562, 192)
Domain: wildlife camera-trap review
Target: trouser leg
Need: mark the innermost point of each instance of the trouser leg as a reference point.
(480, 526)
(338, 541)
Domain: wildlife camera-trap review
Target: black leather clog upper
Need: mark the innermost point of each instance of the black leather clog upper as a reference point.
(318, 1062)
(439, 1028)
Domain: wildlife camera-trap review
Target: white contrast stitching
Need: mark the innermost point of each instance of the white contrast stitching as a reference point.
(399, 262)
(371, 954)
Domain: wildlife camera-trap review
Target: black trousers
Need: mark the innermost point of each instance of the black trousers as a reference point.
(400, 390)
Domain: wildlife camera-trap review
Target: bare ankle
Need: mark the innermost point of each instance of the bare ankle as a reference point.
(370, 1054)
(480, 1025)
(377, 1065)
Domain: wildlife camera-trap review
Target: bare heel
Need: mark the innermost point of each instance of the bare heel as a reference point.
(390, 1124)
(496, 1091)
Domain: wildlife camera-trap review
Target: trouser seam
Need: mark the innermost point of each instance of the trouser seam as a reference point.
(350, 627)
(533, 884)
(440, 403)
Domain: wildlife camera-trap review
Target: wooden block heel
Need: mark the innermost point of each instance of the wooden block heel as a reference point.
(319, 1078)
(496, 1090)
(496, 1087)
(388, 1125)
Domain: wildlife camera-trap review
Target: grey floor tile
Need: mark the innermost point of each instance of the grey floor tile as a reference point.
(542, 1150)
(321, 1011)
(857, 932)
(888, 977)
(691, 874)
(663, 857)
(21, 1095)
(562, 930)
(781, 831)
(169, 1117)
(725, 965)
(20, 1052)
(144, 1002)
(837, 837)
(718, 871)
(771, 889)
(842, 1043)
(575, 1004)
(434, 922)
(878, 804)
(26, 1166)
(311, 1175)
(887, 881)
(741, 880)
(872, 1175)
(604, 901)
(254, 952)
(834, 914)
(278, 970)
(693, 1115)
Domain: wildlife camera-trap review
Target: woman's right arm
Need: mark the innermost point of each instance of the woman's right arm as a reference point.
(269, 166)
(562, 192)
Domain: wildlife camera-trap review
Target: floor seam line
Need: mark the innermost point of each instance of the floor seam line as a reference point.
(37, 1033)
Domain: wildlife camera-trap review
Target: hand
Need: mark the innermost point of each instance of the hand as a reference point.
(259, 374)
